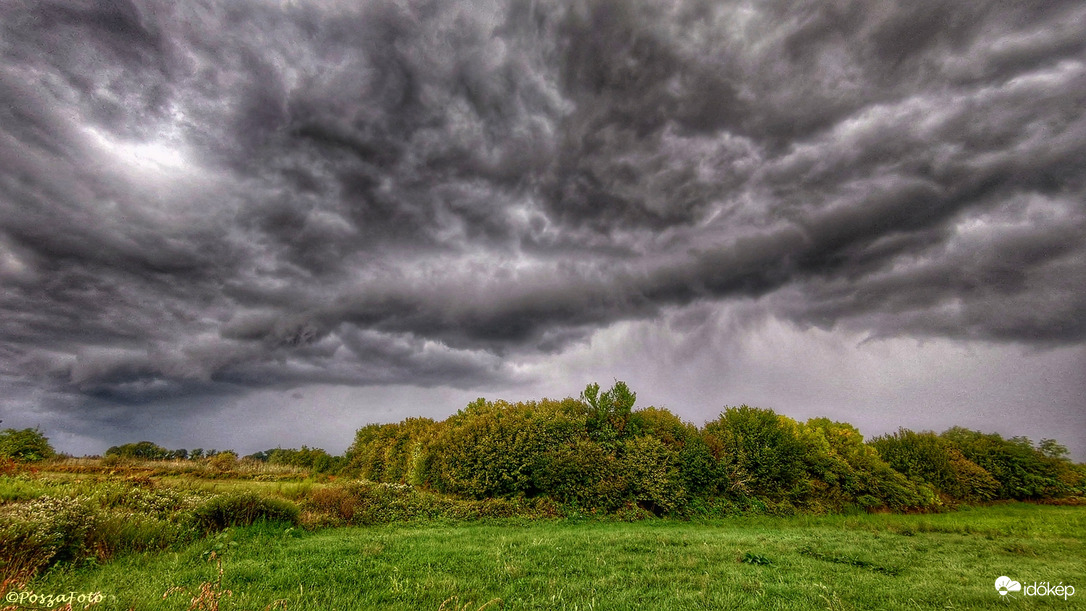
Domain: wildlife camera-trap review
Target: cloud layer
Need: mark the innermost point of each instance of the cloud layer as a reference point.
(200, 197)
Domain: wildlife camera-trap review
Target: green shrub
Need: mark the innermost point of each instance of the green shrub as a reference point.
(392, 453)
(27, 445)
(847, 472)
(759, 452)
(931, 459)
(1022, 470)
(243, 509)
(492, 449)
(223, 461)
(653, 478)
(40, 533)
(582, 474)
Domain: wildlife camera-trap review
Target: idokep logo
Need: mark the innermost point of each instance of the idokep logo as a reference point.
(1005, 584)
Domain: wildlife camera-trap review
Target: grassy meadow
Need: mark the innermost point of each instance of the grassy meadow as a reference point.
(939, 561)
(151, 536)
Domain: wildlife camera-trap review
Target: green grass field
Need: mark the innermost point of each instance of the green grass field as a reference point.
(935, 561)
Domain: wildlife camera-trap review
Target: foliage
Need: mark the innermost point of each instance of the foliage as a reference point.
(393, 453)
(316, 460)
(845, 471)
(653, 476)
(1022, 470)
(140, 449)
(934, 460)
(44, 531)
(242, 509)
(609, 412)
(493, 449)
(582, 474)
(27, 445)
(759, 452)
(597, 454)
(223, 461)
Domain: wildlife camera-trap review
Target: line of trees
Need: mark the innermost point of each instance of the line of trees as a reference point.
(598, 453)
(148, 450)
(312, 459)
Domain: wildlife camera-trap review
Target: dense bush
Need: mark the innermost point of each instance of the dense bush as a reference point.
(759, 452)
(1022, 470)
(598, 454)
(928, 458)
(492, 449)
(392, 453)
(582, 474)
(653, 474)
(223, 461)
(242, 509)
(27, 445)
(845, 471)
(39, 533)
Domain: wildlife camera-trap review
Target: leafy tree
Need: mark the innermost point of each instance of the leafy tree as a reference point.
(609, 412)
(1051, 449)
(142, 449)
(27, 445)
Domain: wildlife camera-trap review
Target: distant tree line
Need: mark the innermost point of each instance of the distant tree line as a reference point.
(599, 454)
(312, 459)
(147, 450)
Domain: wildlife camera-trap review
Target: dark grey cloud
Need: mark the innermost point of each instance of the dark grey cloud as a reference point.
(203, 198)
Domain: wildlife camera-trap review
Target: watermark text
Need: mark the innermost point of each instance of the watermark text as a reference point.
(51, 600)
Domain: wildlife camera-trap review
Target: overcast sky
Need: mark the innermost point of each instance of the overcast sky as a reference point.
(251, 223)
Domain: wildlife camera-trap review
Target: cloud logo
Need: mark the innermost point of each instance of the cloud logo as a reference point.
(1005, 584)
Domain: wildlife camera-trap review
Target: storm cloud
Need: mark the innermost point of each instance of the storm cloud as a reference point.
(212, 197)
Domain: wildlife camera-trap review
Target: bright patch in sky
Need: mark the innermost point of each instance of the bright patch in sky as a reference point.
(164, 155)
